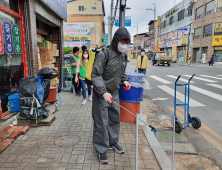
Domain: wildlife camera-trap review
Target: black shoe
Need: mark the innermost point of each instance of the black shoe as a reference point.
(117, 148)
(102, 158)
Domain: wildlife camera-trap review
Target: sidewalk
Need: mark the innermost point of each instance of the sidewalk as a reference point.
(37, 149)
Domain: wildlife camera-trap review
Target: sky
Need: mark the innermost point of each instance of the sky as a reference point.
(139, 14)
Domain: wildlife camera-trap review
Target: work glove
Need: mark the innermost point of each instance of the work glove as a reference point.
(108, 97)
(126, 85)
(76, 80)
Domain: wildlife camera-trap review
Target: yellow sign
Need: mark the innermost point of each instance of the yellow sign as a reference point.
(154, 49)
(217, 41)
(174, 53)
(184, 40)
(219, 3)
(218, 27)
(218, 48)
(77, 38)
(158, 21)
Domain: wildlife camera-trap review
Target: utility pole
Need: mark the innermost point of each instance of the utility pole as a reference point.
(108, 30)
(122, 13)
(137, 41)
(154, 11)
(110, 26)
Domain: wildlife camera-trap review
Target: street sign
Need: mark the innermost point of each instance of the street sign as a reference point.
(17, 42)
(1, 40)
(105, 39)
(127, 21)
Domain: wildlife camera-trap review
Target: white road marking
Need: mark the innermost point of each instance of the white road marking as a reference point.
(181, 79)
(215, 85)
(212, 77)
(207, 93)
(219, 75)
(161, 99)
(160, 79)
(199, 78)
(181, 97)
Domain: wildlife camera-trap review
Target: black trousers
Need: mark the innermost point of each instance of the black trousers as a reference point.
(77, 86)
(211, 62)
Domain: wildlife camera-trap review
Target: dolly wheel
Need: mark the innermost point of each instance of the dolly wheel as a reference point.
(197, 123)
(178, 126)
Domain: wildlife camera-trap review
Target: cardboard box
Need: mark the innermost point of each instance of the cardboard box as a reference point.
(53, 52)
(56, 68)
(46, 55)
(46, 62)
(39, 64)
(44, 45)
(47, 66)
(53, 46)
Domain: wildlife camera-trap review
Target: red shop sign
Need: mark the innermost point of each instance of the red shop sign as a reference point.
(1, 40)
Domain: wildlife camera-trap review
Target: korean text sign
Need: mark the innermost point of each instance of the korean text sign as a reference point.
(17, 41)
(8, 37)
(1, 40)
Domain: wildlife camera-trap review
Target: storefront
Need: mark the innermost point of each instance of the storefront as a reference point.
(13, 62)
(22, 25)
(217, 44)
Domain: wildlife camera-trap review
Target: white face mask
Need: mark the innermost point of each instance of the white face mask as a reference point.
(122, 47)
(142, 53)
(85, 56)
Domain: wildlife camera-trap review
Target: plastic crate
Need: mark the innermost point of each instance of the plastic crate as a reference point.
(14, 102)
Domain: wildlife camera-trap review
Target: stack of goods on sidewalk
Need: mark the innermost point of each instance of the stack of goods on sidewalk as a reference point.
(33, 91)
(48, 53)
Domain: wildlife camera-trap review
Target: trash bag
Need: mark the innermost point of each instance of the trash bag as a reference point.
(48, 73)
(40, 90)
(137, 80)
(28, 87)
(27, 104)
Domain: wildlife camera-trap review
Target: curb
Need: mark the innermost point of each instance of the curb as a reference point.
(158, 151)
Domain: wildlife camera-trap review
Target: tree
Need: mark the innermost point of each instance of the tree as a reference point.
(67, 50)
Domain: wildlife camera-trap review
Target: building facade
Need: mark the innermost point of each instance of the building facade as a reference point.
(138, 44)
(24, 23)
(85, 15)
(176, 28)
(207, 37)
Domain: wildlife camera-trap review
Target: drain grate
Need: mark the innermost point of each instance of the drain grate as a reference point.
(67, 141)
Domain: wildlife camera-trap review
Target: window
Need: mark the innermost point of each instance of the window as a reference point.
(190, 10)
(164, 25)
(93, 8)
(152, 32)
(139, 47)
(167, 22)
(171, 20)
(208, 30)
(181, 15)
(175, 18)
(197, 33)
(81, 8)
(199, 12)
(210, 8)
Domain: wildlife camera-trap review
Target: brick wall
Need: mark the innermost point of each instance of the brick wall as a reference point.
(57, 38)
(33, 55)
(205, 20)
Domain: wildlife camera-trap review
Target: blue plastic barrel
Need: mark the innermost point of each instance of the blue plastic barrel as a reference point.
(134, 95)
(14, 102)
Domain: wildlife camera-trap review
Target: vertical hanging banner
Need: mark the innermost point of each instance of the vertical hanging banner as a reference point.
(8, 37)
(1, 40)
(17, 41)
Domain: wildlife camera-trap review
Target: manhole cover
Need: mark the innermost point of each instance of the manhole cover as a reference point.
(67, 141)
